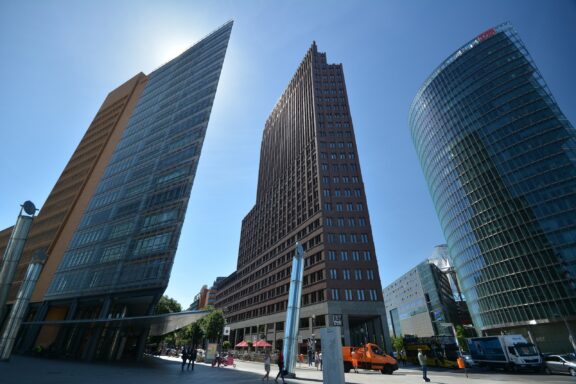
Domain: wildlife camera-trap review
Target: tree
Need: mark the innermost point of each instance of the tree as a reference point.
(195, 333)
(398, 343)
(214, 325)
(461, 335)
(167, 305)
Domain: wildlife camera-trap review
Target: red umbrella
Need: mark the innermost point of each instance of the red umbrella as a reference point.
(262, 343)
(242, 344)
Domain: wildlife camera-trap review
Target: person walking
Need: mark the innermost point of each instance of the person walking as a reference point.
(423, 360)
(267, 361)
(192, 357)
(280, 362)
(310, 357)
(184, 356)
(320, 358)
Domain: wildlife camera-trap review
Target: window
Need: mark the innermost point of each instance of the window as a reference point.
(326, 192)
(328, 222)
(360, 294)
(357, 193)
(355, 179)
(327, 207)
(370, 274)
(332, 255)
(364, 238)
(348, 294)
(359, 207)
(346, 274)
(331, 238)
(351, 222)
(334, 294)
(355, 255)
(121, 229)
(333, 274)
(350, 207)
(358, 274)
(339, 207)
(362, 222)
(367, 256)
(112, 253)
(342, 238)
(353, 238)
(347, 192)
(344, 256)
(373, 295)
(340, 221)
(337, 193)
(152, 244)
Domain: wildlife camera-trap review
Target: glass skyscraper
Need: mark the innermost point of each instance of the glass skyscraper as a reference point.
(500, 161)
(112, 222)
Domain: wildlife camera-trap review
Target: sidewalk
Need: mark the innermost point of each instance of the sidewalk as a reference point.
(165, 370)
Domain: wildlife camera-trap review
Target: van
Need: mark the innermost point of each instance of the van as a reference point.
(371, 357)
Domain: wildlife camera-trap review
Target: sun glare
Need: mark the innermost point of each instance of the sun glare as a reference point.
(171, 49)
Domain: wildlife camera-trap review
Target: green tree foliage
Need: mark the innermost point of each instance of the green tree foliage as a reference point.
(167, 305)
(461, 335)
(398, 343)
(226, 345)
(214, 325)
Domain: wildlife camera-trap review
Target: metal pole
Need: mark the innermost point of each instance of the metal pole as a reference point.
(11, 258)
(21, 305)
(293, 311)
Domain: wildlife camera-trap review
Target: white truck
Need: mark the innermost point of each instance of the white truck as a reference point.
(512, 352)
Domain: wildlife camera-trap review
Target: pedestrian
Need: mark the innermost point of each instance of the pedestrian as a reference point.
(403, 357)
(423, 360)
(354, 360)
(317, 360)
(310, 357)
(320, 357)
(267, 360)
(280, 362)
(184, 356)
(192, 358)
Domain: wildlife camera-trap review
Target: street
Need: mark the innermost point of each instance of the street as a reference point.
(165, 370)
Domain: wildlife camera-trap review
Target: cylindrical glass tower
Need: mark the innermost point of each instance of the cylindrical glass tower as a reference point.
(500, 161)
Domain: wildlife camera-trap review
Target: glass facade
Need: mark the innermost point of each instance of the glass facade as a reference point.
(500, 161)
(128, 234)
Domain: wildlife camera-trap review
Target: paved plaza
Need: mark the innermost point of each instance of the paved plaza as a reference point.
(28, 370)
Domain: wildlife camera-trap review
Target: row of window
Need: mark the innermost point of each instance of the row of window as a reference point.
(345, 255)
(340, 207)
(347, 192)
(344, 238)
(349, 294)
(343, 222)
(346, 275)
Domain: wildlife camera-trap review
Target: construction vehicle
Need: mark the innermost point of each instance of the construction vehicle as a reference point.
(369, 356)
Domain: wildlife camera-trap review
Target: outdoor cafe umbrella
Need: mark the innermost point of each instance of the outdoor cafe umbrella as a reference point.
(242, 344)
(262, 343)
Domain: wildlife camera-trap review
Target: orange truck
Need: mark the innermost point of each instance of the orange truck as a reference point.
(369, 356)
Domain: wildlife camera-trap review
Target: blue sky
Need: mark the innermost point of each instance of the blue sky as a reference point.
(59, 59)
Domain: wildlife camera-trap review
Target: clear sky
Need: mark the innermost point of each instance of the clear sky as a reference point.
(59, 60)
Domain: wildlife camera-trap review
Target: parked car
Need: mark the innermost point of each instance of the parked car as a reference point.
(560, 364)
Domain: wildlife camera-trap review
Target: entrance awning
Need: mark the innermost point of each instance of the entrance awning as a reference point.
(159, 324)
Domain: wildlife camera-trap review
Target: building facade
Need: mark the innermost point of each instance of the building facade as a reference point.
(500, 161)
(423, 302)
(310, 190)
(111, 225)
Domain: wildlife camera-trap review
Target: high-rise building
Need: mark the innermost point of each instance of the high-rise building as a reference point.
(111, 224)
(500, 161)
(422, 302)
(310, 190)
